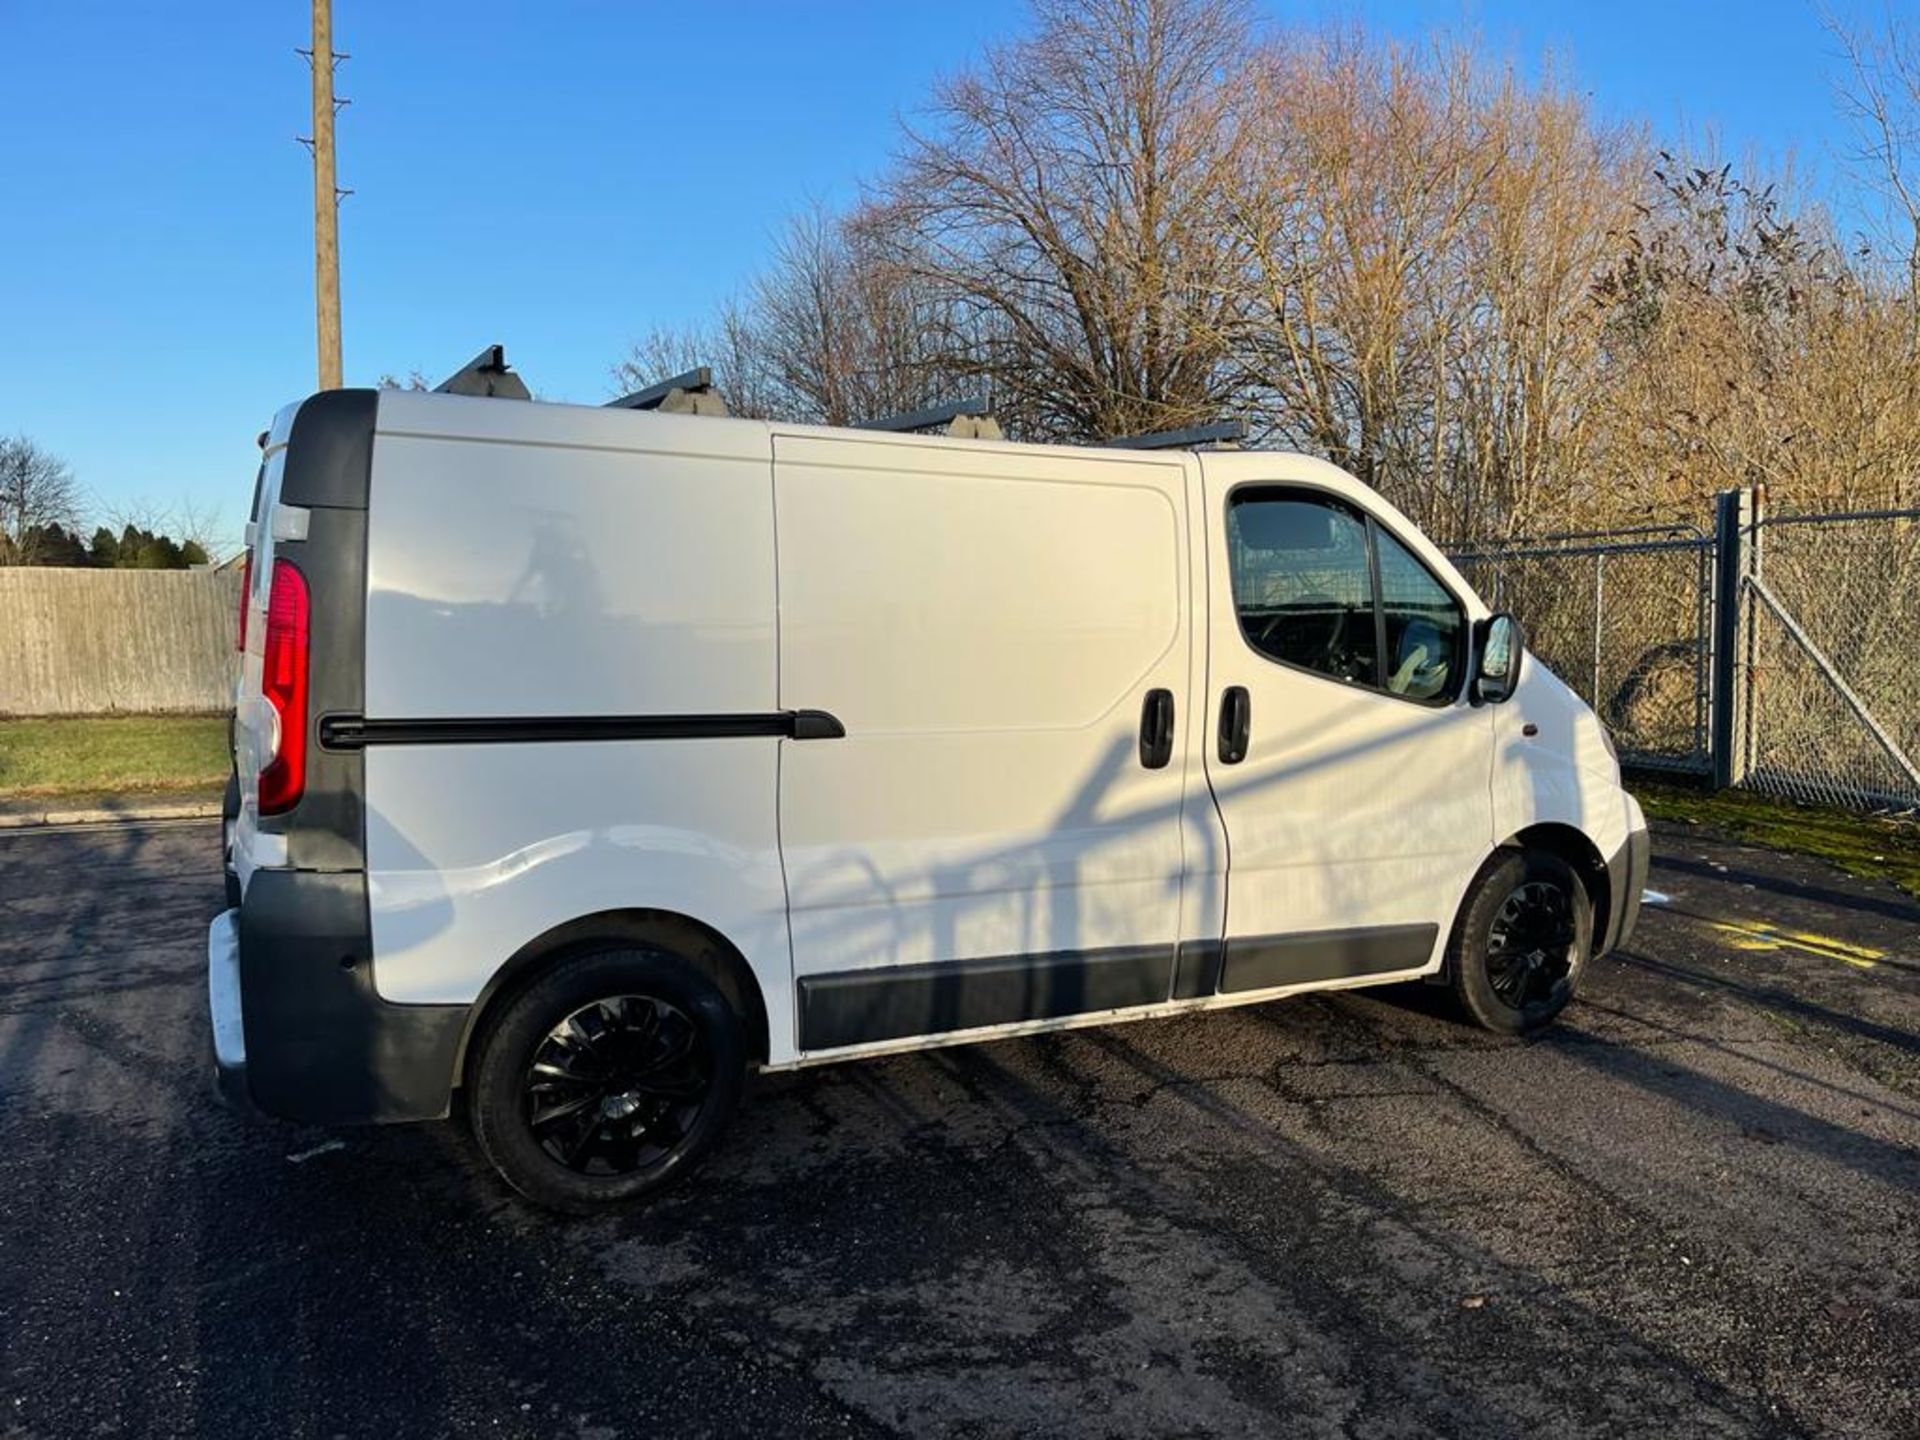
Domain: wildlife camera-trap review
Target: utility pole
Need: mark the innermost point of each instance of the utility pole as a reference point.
(326, 196)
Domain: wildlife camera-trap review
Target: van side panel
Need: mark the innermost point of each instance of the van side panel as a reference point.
(625, 575)
(519, 578)
(477, 850)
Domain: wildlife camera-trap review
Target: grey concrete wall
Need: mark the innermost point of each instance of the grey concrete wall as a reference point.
(90, 642)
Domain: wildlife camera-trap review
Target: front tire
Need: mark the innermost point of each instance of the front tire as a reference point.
(607, 1079)
(1522, 943)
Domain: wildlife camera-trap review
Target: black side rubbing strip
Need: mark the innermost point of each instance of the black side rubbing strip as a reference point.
(817, 725)
(1264, 961)
(858, 1007)
(355, 732)
(864, 1007)
(1196, 969)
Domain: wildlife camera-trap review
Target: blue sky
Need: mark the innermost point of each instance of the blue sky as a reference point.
(556, 176)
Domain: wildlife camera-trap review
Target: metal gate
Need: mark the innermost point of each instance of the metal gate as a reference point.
(1828, 698)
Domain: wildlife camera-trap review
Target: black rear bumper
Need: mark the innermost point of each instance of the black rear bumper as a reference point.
(322, 1046)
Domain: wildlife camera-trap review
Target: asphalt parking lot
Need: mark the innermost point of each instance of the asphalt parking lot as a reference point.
(1691, 1209)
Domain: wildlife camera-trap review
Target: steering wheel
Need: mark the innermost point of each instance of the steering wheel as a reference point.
(1316, 651)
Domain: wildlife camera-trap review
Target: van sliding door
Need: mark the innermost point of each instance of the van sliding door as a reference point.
(1005, 637)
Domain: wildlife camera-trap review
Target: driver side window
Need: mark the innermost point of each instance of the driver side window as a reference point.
(1426, 631)
(1321, 587)
(1303, 583)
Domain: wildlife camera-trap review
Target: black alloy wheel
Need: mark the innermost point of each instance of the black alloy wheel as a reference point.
(1530, 944)
(617, 1084)
(607, 1076)
(1522, 941)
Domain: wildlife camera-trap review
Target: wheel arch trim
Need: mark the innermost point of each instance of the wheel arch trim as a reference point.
(1572, 845)
(1576, 847)
(695, 941)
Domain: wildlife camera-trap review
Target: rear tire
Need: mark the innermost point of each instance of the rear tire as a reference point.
(1522, 942)
(606, 1079)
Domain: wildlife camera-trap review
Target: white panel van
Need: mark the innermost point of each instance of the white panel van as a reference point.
(589, 758)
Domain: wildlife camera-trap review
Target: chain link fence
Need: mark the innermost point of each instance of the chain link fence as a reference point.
(1819, 697)
(1624, 618)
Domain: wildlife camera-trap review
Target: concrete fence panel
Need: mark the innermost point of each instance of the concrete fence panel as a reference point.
(92, 642)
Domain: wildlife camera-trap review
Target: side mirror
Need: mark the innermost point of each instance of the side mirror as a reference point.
(1502, 644)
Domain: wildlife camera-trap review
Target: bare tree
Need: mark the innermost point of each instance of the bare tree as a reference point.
(849, 328)
(202, 525)
(1066, 204)
(1368, 161)
(1424, 233)
(36, 490)
(730, 346)
(1524, 388)
(1463, 287)
(1881, 96)
(833, 331)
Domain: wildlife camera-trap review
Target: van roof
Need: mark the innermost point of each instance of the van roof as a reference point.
(488, 375)
(485, 419)
(548, 422)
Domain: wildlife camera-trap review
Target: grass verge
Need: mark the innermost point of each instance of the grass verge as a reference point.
(1869, 846)
(112, 754)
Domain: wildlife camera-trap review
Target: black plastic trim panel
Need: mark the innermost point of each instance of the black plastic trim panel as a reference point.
(322, 1046)
(1263, 962)
(1196, 969)
(330, 451)
(862, 1007)
(352, 732)
(326, 829)
(329, 470)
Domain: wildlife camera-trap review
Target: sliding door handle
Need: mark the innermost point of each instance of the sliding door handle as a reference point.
(1236, 723)
(1156, 729)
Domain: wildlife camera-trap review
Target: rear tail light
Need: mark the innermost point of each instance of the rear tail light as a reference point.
(246, 599)
(283, 683)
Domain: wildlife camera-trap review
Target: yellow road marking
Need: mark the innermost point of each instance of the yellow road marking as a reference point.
(1752, 935)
